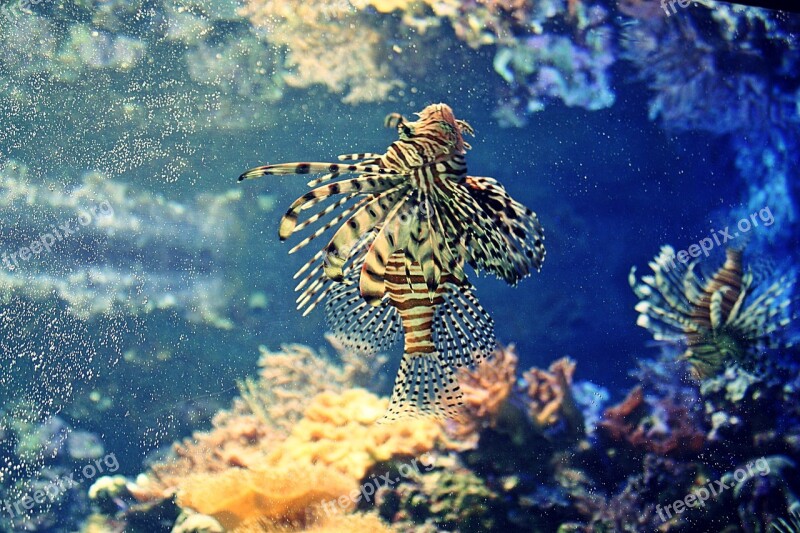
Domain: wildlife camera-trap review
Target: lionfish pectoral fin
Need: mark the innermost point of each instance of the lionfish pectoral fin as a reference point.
(463, 331)
(358, 326)
(424, 387)
(333, 263)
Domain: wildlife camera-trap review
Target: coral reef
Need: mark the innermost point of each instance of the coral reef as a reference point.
(665, 429)
(553, 67)
(550, 396)
(450, 498)
(263, 416)
(486, 388)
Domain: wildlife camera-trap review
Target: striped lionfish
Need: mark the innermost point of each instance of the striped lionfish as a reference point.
(717, 319)
(406, 225)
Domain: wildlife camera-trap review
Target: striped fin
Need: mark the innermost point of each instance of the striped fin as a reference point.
(330, 224)
(317, 285)
(663, 307)
(729, 278)
(715, 308)
(360, 327)
(364, 220)
(425, 386)
(512, 227)
(393, 120)
(463, 332)
(323, 179)
(363, 184)
(392, 236)
(324, 212)
(355, 157)
(284, 169)
(768, 313)
(357, 325)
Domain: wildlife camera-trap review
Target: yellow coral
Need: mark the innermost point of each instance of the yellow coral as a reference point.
(340, 430)
(357, 523)
(353, 523)
(286, 494)
(382, 6)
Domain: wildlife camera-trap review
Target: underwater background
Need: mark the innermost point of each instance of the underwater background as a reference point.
(156, 376)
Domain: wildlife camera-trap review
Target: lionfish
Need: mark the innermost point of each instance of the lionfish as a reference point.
(406, 225)
(718, 319)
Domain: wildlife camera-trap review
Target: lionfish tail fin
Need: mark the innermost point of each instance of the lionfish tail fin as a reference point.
(424, 387)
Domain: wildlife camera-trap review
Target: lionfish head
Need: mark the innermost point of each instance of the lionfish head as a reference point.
(438, 120)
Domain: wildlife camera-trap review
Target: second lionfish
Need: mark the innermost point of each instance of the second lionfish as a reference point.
(411, 217)
(722, 319)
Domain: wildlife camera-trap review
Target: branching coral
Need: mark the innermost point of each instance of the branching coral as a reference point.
(290, 378)
(550, 396)
(720, 320)
(238, 439)
(486, 388)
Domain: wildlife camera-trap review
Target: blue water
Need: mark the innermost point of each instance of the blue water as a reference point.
(137, 329)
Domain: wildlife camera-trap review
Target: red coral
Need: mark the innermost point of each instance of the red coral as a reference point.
(633, 422)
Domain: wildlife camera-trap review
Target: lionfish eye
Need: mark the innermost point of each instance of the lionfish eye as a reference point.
(406, 130)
